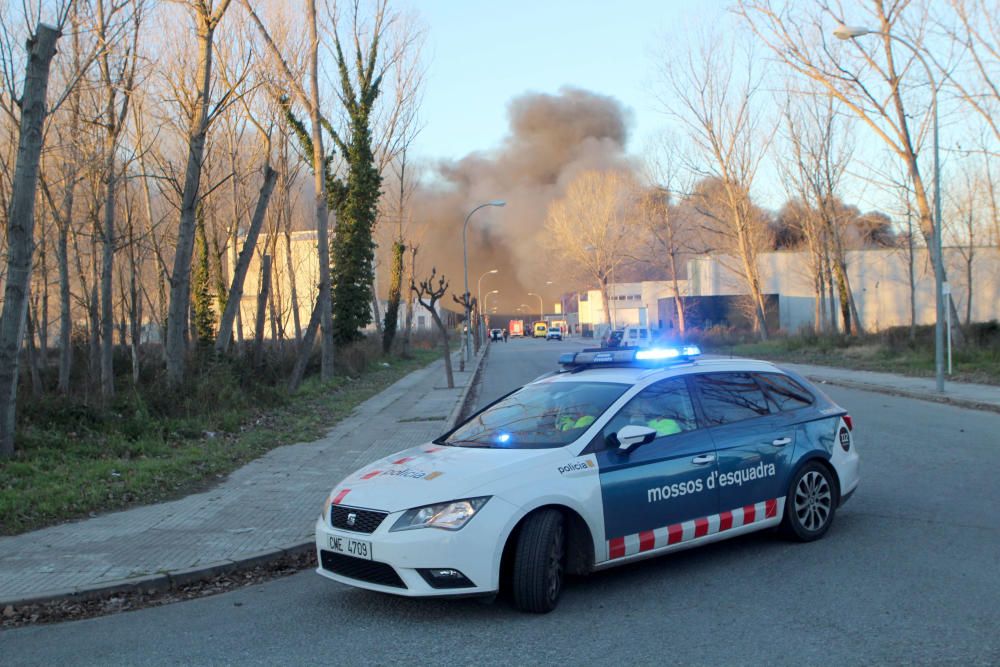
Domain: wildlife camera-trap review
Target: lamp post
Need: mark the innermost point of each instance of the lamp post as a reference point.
(851, 32)
(541, 306)
(483, 308)
(479, 299)
(465, 262)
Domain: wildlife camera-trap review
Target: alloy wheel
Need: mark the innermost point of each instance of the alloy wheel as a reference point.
(813, 501)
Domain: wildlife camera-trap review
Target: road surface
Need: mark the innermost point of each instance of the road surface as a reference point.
(907, 574)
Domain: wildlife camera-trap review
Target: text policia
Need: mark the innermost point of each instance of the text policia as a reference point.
(733, 478)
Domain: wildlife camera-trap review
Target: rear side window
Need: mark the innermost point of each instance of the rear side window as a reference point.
(665, 407)
(786, 393)
(730, 397)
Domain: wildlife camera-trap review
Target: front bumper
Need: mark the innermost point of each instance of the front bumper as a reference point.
(398, 557)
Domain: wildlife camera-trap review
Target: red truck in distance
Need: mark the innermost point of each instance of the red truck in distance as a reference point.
(516, 328)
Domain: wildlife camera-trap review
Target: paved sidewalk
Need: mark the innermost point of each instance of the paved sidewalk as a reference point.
(964, 394)
(265, 509)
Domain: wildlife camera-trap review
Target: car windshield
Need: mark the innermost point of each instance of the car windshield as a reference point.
(538, 416)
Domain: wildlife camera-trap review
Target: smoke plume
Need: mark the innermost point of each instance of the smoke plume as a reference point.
(551, 139)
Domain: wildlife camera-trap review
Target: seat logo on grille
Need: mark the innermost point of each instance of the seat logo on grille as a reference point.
(352, 518)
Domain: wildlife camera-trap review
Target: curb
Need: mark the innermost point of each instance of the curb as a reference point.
(167, 581)
(162, 582)
(903, 393)
(463, 398)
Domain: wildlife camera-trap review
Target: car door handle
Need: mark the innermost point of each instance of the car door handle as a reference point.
(781, 442)
(702, 459)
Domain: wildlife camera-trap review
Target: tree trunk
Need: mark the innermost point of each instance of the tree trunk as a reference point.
(678, 298)
(262, 294)
(927, 229)
(293, 291)
(447, 349)
(912, 278)
(243, 264)
(135, 315)
(753, 282)
(65, 318)
(180, 281)
(107, 266)
(21, 225)
(376, 312)
(968, 277)
(322, 234)
(32, 354)
(94, 340)
(410, 304)
(43, 329)
(305, 349)
(603, 282)
(830, 298)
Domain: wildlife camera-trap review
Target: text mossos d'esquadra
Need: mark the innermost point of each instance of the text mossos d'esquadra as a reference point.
(732, 478)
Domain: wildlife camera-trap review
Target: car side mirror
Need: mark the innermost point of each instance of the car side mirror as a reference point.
(632, 436)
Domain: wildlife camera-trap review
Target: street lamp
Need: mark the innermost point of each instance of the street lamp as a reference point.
(483, 306)
(479, 286)
(541, 307)
(851, 32)
(479, 299)
(465, 261)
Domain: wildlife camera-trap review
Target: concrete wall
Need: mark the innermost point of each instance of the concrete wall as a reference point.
(305, 271)
(632, 304)
(879, 279)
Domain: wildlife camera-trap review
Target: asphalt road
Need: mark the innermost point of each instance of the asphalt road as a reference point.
(909, 573)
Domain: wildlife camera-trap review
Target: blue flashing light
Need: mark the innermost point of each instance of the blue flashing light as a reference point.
(662, 353)
(504, 437)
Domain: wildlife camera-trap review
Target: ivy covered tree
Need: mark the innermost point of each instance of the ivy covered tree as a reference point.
(395, 282)
(354, 198)
(201, 290)
(353, 249)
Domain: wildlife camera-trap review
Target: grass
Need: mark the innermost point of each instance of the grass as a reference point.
(977, 360)
(74, 460)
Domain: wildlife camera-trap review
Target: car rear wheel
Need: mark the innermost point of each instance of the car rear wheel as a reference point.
(811, 503)
(539, 562)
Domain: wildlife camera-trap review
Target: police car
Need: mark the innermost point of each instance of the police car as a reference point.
(623, 455)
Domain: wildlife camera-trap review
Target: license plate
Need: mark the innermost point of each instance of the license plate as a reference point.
(351, 547)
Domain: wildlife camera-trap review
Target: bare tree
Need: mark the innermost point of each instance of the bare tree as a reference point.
(969, 211)
(322, 315)
(21, 221)
(591, 228)
(428, 294)
(821, 150)
(206, 14)
(866, 76)
(718, 107)
(669, 237)
(117, 67)
(977, 35)
(235, 296)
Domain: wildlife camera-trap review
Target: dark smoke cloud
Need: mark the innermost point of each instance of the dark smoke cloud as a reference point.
(552, 138)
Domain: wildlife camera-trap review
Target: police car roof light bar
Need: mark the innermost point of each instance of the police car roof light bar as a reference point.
(627, 356)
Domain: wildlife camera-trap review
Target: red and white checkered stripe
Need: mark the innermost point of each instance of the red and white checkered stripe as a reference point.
(657, 538)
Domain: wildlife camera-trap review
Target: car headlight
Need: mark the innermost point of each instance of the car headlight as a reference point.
(447, 516)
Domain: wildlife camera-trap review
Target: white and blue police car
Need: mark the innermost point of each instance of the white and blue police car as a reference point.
(624, 454)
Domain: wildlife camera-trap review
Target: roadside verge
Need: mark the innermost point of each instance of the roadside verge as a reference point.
(262, 513)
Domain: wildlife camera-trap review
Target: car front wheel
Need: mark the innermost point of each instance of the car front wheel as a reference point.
(811, 503)
(539, 562)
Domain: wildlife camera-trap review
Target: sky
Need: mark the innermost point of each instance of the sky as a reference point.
(480, 54)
